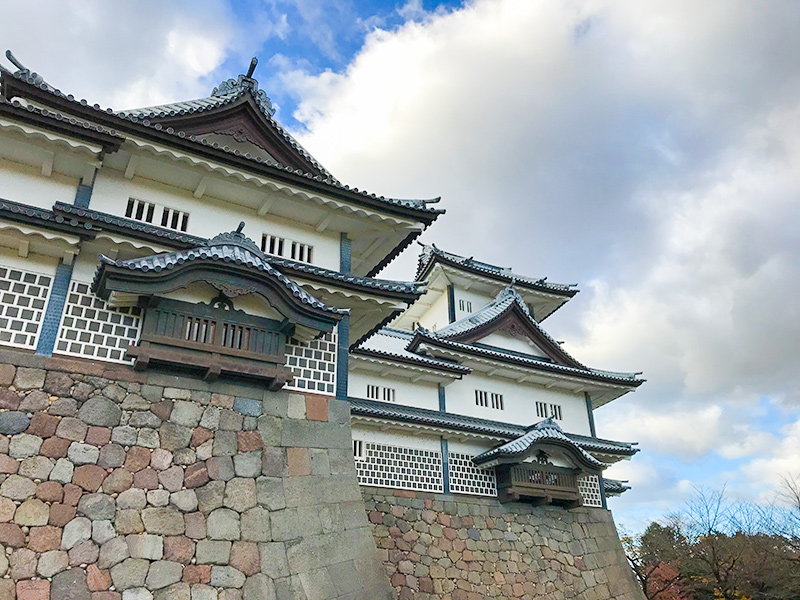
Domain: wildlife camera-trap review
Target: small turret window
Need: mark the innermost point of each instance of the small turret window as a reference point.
(545, 411)
(278, 246)
(376, 392)
(489, 399)
(150, 212)
(465, 305)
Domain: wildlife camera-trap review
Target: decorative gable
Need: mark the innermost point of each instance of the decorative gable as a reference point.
(506, 323)
(238, 115)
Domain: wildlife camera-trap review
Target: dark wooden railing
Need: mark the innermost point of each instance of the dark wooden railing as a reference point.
(214, 339)
(200, 326)
(541, 484)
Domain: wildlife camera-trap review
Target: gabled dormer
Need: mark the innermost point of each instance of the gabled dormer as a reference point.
(238, 116)
(503, 340)
(506, 324)
(459, 286)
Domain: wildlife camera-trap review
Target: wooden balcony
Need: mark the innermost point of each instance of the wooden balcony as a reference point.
(213, 340)
(538, 484)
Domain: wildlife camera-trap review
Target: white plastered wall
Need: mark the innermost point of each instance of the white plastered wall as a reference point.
(209, 216)
(35, 263)
(26, 184)
(420, 394)
(436, 316)
(519, 402)
(509, 342)
(478, 301)
(396, 438)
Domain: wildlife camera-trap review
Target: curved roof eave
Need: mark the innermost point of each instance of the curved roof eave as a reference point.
(418, 209)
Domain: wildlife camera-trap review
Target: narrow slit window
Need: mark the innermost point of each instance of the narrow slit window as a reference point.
(358, 449)
(555, 411)
(541, 410)
(489, 399)
(274, 245)
(144, 211)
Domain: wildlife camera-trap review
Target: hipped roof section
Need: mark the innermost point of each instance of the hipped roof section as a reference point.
(445, 420)
(431, 254)
(305, 173)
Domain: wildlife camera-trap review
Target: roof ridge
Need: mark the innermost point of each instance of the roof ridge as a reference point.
(430, 250)
(421, 204)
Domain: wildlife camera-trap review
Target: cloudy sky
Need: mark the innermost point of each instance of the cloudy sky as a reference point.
(649, 151)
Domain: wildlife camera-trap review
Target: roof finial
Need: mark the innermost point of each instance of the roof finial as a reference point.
(14, 61)
(241, 226)
(252, 68)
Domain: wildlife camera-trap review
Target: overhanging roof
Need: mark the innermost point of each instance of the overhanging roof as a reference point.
(431, 254)
(305, 174)
(455, 422)
(546, 432)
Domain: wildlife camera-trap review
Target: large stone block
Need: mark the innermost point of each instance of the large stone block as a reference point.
(315, 434)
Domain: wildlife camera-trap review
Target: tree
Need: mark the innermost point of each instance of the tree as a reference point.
(652, 557)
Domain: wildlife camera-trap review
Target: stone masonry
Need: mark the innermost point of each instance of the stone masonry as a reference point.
(447, 547)
(122, 485)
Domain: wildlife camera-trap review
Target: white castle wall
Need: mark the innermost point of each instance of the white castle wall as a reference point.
(420, 394)
(26, 184)
(209, 216)
(519, 402)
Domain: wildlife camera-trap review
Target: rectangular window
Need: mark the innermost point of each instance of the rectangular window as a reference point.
(465, 305)
(144, 211)
(555, 411)
(497, 401)
(358, 449)
(278, 246)
(487, 399)
(541, 409)
(376, 392)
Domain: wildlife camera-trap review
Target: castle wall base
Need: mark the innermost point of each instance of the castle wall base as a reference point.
(456, 547)
(125, 485)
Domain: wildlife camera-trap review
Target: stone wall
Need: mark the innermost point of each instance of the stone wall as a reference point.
(449, 547)
(120, 485)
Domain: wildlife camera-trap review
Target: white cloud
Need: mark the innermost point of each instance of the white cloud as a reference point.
(650, 149)
(683, 433)
(125, 55)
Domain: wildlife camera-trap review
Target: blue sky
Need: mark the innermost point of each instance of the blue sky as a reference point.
(649, 151)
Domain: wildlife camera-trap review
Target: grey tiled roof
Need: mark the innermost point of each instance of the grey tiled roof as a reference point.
(547, 430)
(430, 252)
(226, 93)
(498, 353)
(33, 214)
(415, 204)
(57, 116)
(404, 287)
(391, 343)
(615, 487)
(501, 304)
(232, 247)
(435, 418)
(102, 218)
(185, 107)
